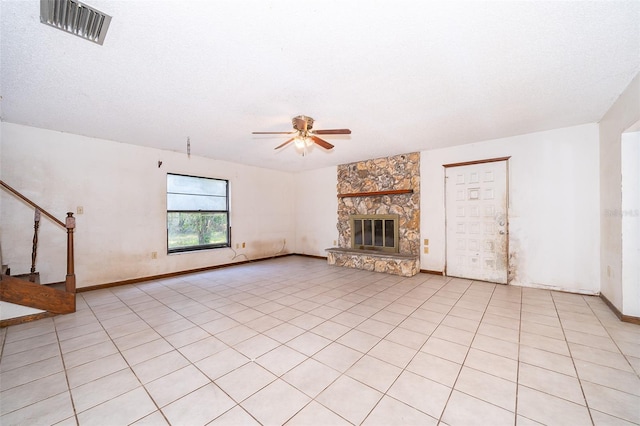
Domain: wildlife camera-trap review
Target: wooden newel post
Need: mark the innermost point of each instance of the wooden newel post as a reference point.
(70, 282)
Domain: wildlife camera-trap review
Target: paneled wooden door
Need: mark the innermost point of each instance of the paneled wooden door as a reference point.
(476, 200)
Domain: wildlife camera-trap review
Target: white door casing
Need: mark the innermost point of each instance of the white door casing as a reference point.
(476, 200)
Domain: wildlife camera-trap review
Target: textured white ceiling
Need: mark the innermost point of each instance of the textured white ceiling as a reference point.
(402, 75)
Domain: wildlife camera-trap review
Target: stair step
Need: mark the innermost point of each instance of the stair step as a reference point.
(58, 286)
(27, 277)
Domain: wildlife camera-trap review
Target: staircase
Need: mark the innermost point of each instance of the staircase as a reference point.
(25, 290)
(25, 293)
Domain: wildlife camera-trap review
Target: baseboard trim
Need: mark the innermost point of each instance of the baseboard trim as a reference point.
(428, 271)
(622, 317)
(175, 274)
(24, 319)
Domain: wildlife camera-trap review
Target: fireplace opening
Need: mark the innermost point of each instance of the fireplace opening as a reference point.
(375, 232)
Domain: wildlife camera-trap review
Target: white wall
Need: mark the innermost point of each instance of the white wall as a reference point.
(123, 193)
(553, 205)
(621, 116)
(316, 211)
(10, 310)
(630, 212)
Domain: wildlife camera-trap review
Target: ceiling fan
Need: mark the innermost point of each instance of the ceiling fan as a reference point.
(304, 135)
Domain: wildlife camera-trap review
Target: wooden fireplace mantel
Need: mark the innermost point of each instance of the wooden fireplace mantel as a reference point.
(376, 193)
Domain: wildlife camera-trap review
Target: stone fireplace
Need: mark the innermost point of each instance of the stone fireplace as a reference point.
(376, 191)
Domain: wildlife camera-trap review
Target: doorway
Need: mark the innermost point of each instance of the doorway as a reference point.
(477, 226)
(630, 217)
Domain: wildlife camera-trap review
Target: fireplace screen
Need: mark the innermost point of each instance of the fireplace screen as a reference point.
(375, 232)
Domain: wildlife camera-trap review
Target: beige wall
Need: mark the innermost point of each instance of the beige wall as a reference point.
(553, 205)
(316, 210)
(622, 114)
(557, 196)
(123, 193)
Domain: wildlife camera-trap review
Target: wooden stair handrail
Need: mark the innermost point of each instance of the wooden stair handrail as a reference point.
(69, 225)
(32, 204)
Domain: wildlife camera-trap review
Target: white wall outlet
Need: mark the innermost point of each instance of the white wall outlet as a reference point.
(154, 254)
(79, 210)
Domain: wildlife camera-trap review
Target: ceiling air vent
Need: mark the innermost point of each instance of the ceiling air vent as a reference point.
(76, 18)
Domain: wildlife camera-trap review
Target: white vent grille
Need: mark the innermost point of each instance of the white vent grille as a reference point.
(76, 18)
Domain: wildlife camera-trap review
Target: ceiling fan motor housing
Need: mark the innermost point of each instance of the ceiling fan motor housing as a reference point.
(298, 123)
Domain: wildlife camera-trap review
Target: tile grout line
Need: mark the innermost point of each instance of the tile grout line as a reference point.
(578, 375)
(125, 360)
(48, 375)
(191, 363)
(612, 339)
(515, 417)
(385, 393)
(365, 354)
(66, 375)
(253, 360)
(584, 396)
(440, 419)
(313, 399)
(188, 288)
(570, 356)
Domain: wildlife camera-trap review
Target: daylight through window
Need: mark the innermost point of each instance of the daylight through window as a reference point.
(197, 213)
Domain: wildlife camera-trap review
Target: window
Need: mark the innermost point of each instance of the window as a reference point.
(197, 213)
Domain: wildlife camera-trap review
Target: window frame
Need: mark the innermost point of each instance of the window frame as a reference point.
(226, 211)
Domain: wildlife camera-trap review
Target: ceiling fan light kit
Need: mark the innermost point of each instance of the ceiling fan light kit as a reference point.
(303, 145)
(305, 136)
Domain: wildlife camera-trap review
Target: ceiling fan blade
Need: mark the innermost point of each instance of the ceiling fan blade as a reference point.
(272, 133)
(283, 144)
(322, 143)
(332, 132)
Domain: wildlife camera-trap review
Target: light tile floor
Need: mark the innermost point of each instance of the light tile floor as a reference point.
(295, 341)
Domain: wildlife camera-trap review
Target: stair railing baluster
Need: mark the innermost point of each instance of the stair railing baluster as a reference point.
(34, 248)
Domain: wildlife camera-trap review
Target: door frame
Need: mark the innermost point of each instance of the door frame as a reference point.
(470, 163)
